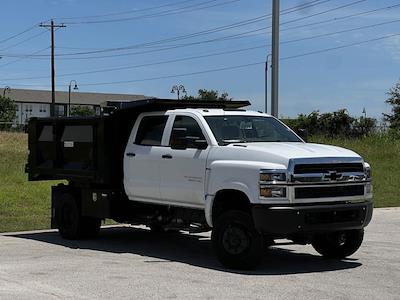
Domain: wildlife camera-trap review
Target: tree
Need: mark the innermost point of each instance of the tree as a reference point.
(7, 112)
(209, 95)
(394, 101)
(82, 111)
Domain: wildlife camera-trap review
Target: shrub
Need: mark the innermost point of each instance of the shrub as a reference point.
(338, 123)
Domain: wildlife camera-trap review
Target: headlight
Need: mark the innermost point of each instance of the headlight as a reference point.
(271, 182)
(272, 176)
(368, 171)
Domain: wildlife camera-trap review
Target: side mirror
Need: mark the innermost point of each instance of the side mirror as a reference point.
(303, 133)
(178, 139)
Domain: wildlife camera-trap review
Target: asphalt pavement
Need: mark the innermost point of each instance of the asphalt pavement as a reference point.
(132, 263)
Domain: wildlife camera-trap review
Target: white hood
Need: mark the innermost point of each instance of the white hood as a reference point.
(280, 153)
(301, 150)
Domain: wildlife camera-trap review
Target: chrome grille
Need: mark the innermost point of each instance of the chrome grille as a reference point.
(328, 167)
(314, 178)
(327, 170)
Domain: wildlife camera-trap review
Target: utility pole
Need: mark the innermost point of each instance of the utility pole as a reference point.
(53, 73)
(266, 82)
(275, 57)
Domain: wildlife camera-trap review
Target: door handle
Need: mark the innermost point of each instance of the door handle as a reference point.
(167, 156)
(130, 154)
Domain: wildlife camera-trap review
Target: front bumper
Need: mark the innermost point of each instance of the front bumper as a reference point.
(289, 220)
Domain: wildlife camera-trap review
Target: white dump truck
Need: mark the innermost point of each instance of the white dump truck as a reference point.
(202, 166)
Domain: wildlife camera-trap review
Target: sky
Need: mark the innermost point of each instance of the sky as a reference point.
(328, 61)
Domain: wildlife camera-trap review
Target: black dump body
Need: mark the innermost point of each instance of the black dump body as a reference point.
(90, 149)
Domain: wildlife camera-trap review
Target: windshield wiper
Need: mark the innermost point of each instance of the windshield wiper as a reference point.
(227, 142)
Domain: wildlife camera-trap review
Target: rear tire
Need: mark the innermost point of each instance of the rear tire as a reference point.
(338, 244)
(71, 224)
(238, 245)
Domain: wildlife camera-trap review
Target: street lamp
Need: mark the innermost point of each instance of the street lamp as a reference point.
(69, 94)
(6, 89)
(178, 89)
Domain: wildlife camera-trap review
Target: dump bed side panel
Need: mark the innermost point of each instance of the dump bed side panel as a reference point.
(71, 149)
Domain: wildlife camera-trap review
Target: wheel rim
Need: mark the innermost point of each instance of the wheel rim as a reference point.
(235, 239)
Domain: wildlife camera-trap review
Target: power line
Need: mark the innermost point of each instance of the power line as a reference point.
(238, 24)
(209, 31)
(187, 36)
(169, 12)
(209, 54)
(177, 38)
(126, 12)
(23, 41)
(200, 56)
(324, 12)
(147, 9)
(341, 18)
(18, 34)
(341, 47)
(240, 35)
(340, 31)
(240, 66)
(146, 64)
(21, 58)
(199, 33)
(245, 65)
(336, 19)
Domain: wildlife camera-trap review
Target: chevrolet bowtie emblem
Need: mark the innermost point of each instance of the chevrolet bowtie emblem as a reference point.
(333, 176)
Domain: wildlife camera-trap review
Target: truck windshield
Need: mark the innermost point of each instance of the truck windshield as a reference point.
(248, 129)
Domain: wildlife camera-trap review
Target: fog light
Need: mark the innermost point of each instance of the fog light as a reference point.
(272, 192)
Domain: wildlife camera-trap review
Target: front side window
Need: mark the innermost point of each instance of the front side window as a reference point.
(151, 130)
(193, 130)
(249, 129)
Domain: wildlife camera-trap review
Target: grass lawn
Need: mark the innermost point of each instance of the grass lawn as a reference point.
(23, 205)
(26, 205)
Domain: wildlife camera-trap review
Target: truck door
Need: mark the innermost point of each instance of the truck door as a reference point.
(183, 172)
(142, 159)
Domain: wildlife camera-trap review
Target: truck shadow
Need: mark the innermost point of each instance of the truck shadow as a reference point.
(194, 250)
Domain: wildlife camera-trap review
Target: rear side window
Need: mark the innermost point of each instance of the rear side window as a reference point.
(151, 130)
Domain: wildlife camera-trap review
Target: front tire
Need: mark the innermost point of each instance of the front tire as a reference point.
(71, 224)
(338, 244)
(238, 245)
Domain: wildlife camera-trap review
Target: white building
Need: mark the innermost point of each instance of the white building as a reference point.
(36, 103)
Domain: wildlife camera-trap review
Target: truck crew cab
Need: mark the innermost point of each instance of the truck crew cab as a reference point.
(200, 166)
